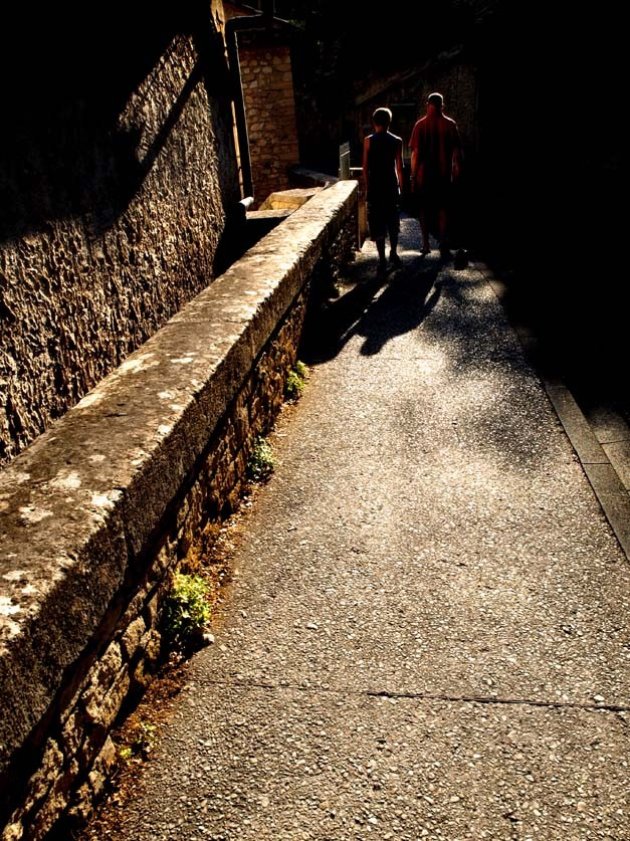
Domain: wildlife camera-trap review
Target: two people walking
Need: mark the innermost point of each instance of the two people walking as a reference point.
(435, 165)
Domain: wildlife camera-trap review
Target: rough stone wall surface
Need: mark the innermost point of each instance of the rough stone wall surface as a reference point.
(133, 481)
(111, 215)
(271, 123)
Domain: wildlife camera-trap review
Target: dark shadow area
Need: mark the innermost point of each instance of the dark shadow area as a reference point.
(66, 79)
(546, 187)
(409, 296)
(405, 303)
(234, 241)
(240, 234)
(331, 322)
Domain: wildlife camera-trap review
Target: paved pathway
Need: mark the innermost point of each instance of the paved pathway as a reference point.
(428, 637)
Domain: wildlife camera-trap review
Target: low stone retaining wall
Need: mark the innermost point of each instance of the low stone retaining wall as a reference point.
(98, 512)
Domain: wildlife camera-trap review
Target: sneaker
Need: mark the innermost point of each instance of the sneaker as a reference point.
(395, 261)
(382, 268)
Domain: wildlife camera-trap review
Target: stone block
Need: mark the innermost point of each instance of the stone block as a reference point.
(152, 611)
(136, 605)
(289, 198)
(73, 732)
(104, 672)
(50, 768)
(144, 669)
(103, 765)
(102, 707)
(61, 561)
(13, 832)
(130, 640)
(42, 821)
(82, 801)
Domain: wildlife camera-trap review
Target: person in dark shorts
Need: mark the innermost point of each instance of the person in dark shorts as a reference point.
(435, 164)
(382, 170)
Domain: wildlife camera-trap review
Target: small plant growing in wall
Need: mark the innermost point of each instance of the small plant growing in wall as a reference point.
(141, 745)
(296, 378)
(261, 463)
(186, 611)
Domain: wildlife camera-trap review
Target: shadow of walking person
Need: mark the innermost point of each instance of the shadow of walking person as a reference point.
(335, 322)
(402, 307)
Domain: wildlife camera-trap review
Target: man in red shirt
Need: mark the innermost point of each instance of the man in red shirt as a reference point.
(435, 165)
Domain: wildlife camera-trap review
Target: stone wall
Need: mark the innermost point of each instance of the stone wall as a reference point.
(116, 168)
(270, 107)
(136, 478)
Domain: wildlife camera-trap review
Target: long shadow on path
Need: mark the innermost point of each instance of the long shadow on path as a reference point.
(402, 307)
(409, 296)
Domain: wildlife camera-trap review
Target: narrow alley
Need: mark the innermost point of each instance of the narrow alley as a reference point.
(427, 634)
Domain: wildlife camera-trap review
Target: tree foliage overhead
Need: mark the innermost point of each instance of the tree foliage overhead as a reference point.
(346, 38)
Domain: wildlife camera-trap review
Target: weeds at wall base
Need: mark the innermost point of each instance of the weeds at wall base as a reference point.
(295, 382)
(261, 463)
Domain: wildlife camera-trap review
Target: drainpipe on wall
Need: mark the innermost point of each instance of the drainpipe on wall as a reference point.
(247, 23)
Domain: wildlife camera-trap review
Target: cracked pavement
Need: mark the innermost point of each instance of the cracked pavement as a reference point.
(427, 636)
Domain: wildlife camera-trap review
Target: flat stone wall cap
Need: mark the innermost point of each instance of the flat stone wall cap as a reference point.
(297, 192)
(268, 214)
(60, 565)
(289, 198)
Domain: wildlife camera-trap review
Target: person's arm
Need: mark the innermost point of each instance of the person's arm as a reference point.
(399, 166)
(413, 145)
(366, 172)
(456, 163)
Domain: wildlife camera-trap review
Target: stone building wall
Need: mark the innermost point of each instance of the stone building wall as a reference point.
(116, 169)
(267, 80)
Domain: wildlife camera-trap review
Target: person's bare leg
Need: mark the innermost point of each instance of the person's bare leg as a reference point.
(380, 247)
(443, 231)
(424, 228)
(394, 259)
